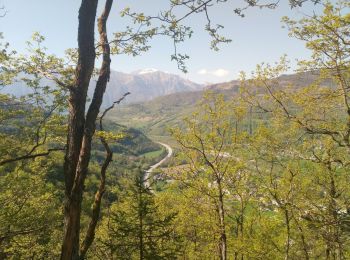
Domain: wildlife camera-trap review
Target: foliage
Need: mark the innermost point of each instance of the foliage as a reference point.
(273, 189)
(134, 227)
(30, 214)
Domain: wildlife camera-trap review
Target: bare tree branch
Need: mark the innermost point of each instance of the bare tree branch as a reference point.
(31, 156)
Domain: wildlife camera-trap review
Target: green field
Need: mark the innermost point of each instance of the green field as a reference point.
(153, 154)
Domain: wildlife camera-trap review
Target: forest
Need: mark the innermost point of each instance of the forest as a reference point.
(258, 172)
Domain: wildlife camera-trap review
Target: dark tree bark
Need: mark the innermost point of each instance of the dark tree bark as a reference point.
(77, 100)
(82, 128)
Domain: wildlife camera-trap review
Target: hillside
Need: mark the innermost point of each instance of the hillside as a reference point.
(135, 143)
(153, 117)
(145, 85)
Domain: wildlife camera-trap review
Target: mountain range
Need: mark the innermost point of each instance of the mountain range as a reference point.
(154, 116)
(143, 85)
(160, 99)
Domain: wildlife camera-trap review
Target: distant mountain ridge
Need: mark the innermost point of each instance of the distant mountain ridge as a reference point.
(143, 85)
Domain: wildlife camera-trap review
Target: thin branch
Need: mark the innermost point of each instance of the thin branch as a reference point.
(90, 125)
(31, 156)
(111, 107)
(2, 8)
(96, 207)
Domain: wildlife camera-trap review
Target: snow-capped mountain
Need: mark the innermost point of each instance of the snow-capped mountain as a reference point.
(145, 85)
(145, 71)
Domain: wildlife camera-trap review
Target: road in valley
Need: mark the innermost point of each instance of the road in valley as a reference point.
(146, 177)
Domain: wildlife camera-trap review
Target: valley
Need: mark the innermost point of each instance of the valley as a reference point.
(155, 116)
(103, 156)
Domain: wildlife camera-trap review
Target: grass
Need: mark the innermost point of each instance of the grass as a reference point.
(153, 154)
(167, 139)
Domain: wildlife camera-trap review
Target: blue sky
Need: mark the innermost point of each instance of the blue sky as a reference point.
(259, 37)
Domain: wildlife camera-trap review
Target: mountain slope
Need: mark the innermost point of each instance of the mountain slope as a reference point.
(145, 85)
(135, 143)
(155, 116)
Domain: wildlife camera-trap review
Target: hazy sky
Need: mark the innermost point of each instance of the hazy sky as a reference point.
(259, 37)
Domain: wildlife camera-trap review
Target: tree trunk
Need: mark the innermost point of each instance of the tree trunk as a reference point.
(96, 207)
(242, 223)
(302, 236)
(77, 100)
(141, 249)
(221, 211)
(287, 221)
(81, 128)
